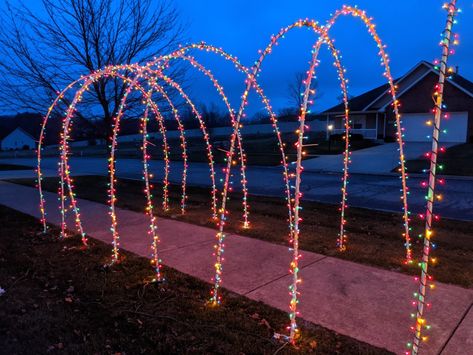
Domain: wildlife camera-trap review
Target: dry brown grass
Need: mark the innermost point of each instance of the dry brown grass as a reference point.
(60, 300)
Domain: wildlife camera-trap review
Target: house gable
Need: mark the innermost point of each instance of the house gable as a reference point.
(404, 84)
(414, 90)
(418, 99)
(18, 139)
(378, 99)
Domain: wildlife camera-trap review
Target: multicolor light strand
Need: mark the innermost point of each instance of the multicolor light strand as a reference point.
(152, 230)
(112, 192)
(111, 71)
(231, 112)
(293, 223)
(205, 47)
(98, 75)
(425, 278)
(64, 167)
(42, 134)
(153, 83)
(153, 72)
(368, 21)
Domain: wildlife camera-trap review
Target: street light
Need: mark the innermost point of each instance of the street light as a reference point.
(329, 132)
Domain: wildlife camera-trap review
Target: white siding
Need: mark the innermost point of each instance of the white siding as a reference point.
(17, 140)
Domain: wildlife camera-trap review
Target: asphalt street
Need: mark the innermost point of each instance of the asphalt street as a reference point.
(381, 192)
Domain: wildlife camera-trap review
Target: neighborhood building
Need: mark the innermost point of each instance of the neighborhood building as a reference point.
(17, 139)
(373, 118)
(22, 131)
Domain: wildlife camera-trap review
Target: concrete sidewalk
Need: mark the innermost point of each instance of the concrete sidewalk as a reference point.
(366, 303)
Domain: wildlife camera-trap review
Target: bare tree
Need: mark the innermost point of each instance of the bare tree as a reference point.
(296, 91)
(213, 116)
(43, 52)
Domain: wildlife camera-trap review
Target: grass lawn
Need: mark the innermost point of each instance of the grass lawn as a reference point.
(59, 299)
(375, 238)
(6, 167)
(457, 160)
(260, 150)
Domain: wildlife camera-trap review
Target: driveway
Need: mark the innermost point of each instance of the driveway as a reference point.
(380, 159)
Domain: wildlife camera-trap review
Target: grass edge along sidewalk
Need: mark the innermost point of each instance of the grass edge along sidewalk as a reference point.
(258, 270)
(59, 299)
(374, 236)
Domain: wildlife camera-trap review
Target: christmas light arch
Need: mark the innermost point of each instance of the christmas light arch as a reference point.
(146, 79)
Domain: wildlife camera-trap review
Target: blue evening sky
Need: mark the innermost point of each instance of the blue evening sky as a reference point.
(410, 28)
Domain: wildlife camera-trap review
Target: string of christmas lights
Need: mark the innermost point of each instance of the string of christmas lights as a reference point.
(64, 168)
(112, 71)
(205, 134)
(128, 67)
(153, 83)
(426, 279)
(153, 73)
(297, 24)
(219, 247)
(215, 299)
(325, 39)
(221, 236)
(152, 230)
(133, 84)
(293, 223)
(39, 179)
(231, 112)
(368, 21)
(208, 48)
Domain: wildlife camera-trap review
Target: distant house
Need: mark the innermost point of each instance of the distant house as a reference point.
(17, 139)
(18, 131)
(372, 115)
(21, 131)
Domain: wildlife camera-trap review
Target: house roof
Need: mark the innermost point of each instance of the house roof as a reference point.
(358, 103)
(30, 123)
(379, 98)
(464, 83)
(3, 135)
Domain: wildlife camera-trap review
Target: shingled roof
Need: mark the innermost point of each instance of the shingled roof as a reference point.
(379, 98)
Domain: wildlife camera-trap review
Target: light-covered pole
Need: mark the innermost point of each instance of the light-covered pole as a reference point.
(421, 304)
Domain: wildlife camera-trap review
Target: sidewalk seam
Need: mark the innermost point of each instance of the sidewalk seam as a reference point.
(280, 277)
(468, 309)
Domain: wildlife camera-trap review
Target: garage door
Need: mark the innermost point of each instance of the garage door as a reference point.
(416, 129)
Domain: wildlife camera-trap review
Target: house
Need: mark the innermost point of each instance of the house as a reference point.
(18, 131)
(372, 115)
(17, 139)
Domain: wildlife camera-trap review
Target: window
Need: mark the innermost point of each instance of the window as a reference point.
(358, 122)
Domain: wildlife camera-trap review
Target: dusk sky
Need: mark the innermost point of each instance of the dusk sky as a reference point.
(410, 28)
